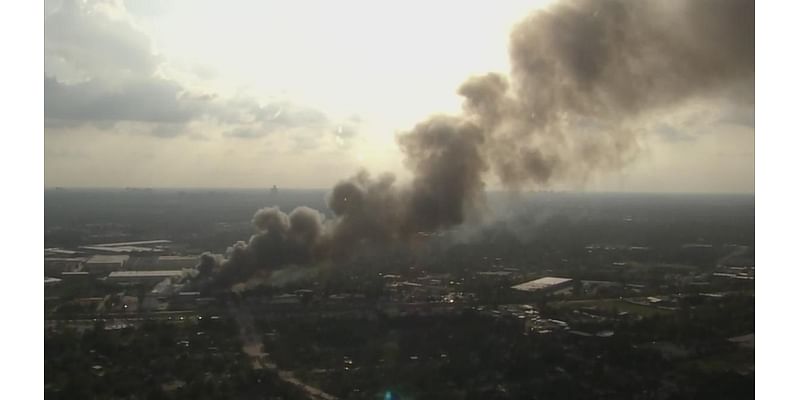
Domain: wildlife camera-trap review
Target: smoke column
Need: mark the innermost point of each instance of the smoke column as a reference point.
(582, 73)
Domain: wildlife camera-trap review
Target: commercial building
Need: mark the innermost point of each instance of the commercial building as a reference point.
(75, 275)
(177, 262)
(141, 262)
(120, 249)
(57, 252)
(51, 281)
(103, 264)
(184, 300)
(547, 283)
(143, 276)
(161, 263)
(139, 243)
(494, 274)
(56, 265)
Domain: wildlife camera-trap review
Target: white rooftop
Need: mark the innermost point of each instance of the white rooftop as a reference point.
(494, 273)
(119, 249)
(145, 274)
(107, 259)
(141, 242)
(540, 283)
(54, 250)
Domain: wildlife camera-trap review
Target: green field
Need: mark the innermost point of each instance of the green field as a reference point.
(610, 305)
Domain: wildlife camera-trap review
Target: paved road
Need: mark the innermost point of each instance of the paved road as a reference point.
(252, 346)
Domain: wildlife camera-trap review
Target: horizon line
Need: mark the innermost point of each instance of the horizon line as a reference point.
(292, 188)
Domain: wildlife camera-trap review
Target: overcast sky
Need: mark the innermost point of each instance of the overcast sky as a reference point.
(188, 93)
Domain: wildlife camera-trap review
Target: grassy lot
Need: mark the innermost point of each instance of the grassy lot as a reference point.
(737, 360)
(610, 305)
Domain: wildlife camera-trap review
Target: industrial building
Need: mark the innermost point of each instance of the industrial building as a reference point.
(75, 275)
(143, 263)
(184, 300)
(139, 247)
(51, 281)
(120, 249)
(57, 252)
(177, 262)
(103, 264)
(139, 243)
(161, 263)
(547, 283)
(143, 276)
(56, 265)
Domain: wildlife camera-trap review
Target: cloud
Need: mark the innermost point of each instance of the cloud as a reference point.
(670, 134)
(169, 130)
(147, 7)
(740, 116)
(204, 72)
(101, 69)
(144, 100)
(243, 133)
(258, 121)
(346, 131)
(95, 39)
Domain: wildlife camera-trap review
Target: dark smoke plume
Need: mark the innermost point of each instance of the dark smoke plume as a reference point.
(206, 265)
(583, 73)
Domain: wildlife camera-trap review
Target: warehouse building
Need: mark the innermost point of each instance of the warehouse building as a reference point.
(177, 262)
(103, 264)
(545, 284)
(130, 277)
(162, 263)
(54, 266)
(120, 249)
(159, 242)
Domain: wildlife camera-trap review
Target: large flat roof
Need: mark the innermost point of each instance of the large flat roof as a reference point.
(141, 242)
(145, 274)
(107, 258)
(178, 261)
(64, 259)
(120, 249)
(54, 250)
(165, 263)
(541, 283)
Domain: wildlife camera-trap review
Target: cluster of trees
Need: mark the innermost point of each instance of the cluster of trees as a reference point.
(159, 360)
(473, 356)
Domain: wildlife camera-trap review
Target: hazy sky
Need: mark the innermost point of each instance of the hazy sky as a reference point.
(188, 93)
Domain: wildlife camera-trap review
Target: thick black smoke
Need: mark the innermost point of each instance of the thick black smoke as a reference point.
(280, 239)
(584, 72)
(206, 265)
